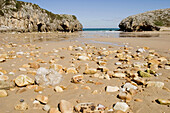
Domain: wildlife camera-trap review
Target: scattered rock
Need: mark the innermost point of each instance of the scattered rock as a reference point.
(3, 77)
(41, 98)
(34, 65)
(72, 70)
(90, 71)
(77, 79)
(66, 107)
(122, 106)
(112, 89)
(54, 110)
(46, 108)
(155, 84)
(129, 86)
(163, 101)
(125, 96)
(2, 60)
(3, 93)
(85, 107)
(58, 89)
(119, 75)
(21, 106)
(138, 100)
(84, 58)
(23, 80)
(144, 74)
(22, 69)
(47, 77)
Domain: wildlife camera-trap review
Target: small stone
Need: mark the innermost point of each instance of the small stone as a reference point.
(77, 79)
(3, 77)
(47, 77)
(54, 110)
(72, 70)
(21, 106)
(139, 81)
(125, 96)
(122, 106)
(144, 74)
(21, 100)
(118, 63)
(23, 80)
(103, 69)
(3, 93)
(84, 58)
(2, 60)
(167, 67)
(34, 65)
(46, 108)
(58, 89)
(155, 84)
(111, 89)
(38, 88)
(119, 75)
(138, 100)
(129, 86)
(37, 105)
(163, 101)
(90, 71)
(41, 98)
(66, 107)
(22, 69)
(84, 107)
(141, 50)
(79, 49)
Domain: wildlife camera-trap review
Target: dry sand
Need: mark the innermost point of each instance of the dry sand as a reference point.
(42, 46)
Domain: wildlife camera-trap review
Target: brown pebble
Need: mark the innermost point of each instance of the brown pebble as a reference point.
(138, 100)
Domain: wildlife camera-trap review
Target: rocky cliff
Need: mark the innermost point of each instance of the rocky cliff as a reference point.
(27, 17)
(148, 21)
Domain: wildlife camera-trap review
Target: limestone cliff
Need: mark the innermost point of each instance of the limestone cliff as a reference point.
(148, 21)
(27, 17)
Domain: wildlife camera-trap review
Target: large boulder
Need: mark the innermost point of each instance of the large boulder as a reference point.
(148, 21)
(27, 17)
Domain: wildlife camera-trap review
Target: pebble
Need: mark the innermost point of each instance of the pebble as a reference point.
(122, 106)
(90, 71)
(72, 70)
(129, 86)
(21, 106)
(156, 84)
(119, 75)
(22, 69)
(41, 98)
(58, 89)
(34, 65)
(3, 93)
(23, 80)
(77, 79)
(66, 107)
(3, 77)
(167, 67)
(110, 89)
(47, 77)
(84, 107)
(144, 74)
(163, 101)
(118, 63)
(54, 110)
(46, 107)
(125, 96)
(84, 58)
(2, 60)
(138, 100)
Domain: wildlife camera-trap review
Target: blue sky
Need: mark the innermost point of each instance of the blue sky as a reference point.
(101, 13)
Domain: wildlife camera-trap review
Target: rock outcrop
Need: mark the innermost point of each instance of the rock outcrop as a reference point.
(27, 17)
(148, 21)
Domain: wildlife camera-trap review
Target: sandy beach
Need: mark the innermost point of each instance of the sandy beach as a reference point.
(98, 58)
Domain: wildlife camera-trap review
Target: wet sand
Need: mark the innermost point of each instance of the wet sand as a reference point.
(44, 45)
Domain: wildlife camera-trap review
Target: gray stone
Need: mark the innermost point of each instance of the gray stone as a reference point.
(66, 107)
(122, 106)
(47, 77)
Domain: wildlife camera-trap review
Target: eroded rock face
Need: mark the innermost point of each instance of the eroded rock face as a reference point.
(148, 21)
(27, 17)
